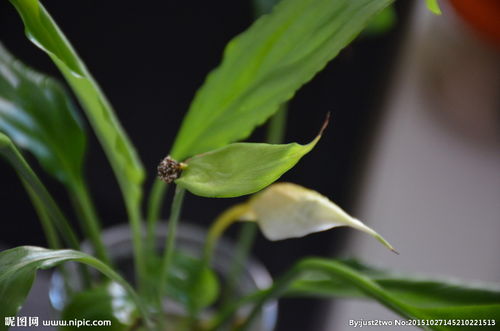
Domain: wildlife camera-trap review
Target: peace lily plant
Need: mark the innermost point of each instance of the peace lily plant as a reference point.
(260, 71)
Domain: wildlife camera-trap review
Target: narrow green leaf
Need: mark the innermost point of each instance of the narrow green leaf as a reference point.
(240, 168)
(18, 267)
(419, 291)
(264, 66)
(38, 115)
(41, 29)
(108, 302)
(43, 32)
(433, 6)
(410, 297)
(42, 199)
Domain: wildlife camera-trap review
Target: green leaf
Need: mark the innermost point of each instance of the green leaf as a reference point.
(38, 115)
(433, 6)
(415, 290)
(42, 200)
(240, 168)
(106, 302)
(263, 67)
(410, 297)
(41, 29)
(18, 267)
(44, 33)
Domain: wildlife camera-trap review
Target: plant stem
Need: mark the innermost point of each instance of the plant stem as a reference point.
(155, 199)
(134, 216)
(277, 125)
(221, 223)
(168, 252)
(245, 242)
(89, 219)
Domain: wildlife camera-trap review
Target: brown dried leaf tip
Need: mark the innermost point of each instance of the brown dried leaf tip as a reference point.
(169, 169)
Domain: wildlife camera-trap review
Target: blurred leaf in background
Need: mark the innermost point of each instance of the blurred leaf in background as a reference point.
(382, 23)
(38, 115)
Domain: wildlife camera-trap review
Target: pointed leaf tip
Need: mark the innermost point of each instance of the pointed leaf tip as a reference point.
(326, 122)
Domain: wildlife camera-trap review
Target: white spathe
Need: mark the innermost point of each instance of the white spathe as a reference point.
(286, 210)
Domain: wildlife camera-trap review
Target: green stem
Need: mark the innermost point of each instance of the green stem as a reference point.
(168, 252)
(134, 216)
(221, 223)
(277, 125)
(245, 242)
(155, 199)
(89, 219)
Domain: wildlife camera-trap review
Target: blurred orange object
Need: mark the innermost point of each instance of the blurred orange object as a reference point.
(482, 15)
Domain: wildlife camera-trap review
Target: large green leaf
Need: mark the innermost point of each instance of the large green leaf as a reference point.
(264, 66)
(240, 168)
(44, 33)
(18, 267)
(38, 115)
(409, 296)
(108, 302)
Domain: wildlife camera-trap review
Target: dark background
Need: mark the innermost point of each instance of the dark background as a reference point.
(150, 58)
